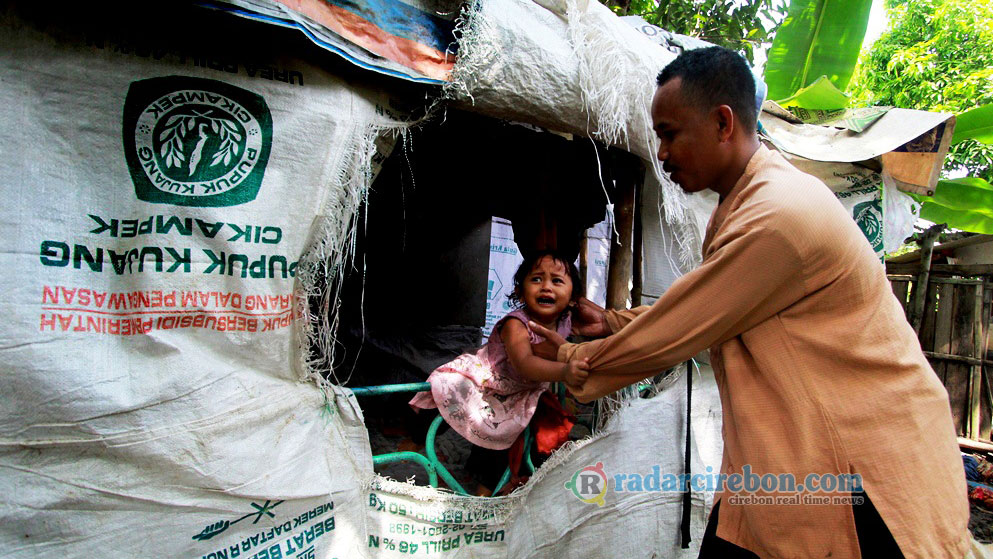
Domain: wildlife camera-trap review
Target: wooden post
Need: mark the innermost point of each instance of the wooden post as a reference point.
(920, 289)
(986, 391)
(637, 245)
(619, 271)
(899, 285)
(976, 371)
(960, 378)
(943, 329)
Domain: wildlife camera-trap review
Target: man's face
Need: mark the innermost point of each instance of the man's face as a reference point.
(688, 141)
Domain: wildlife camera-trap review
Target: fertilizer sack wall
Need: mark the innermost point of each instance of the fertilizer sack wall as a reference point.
(162, 191)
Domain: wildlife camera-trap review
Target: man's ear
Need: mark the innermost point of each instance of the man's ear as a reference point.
(726, 122)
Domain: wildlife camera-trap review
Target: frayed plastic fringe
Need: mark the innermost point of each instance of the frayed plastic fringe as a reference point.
(611, 404)
(332, 247)
(609, 71)
(616, 96)
(474, 52)
(495, 510)
(612, 78)
(605, 425)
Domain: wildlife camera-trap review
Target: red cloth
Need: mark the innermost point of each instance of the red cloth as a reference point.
(981, 494)
(551, 424)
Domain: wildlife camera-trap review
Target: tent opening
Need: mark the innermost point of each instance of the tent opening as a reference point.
(416, 296)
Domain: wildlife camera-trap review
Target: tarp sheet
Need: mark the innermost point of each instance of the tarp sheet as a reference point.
(409, 39)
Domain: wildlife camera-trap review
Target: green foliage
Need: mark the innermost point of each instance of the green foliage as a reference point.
(975, 124)
(739, 26)
(936, 56)
(822, 94)
(818, 38)
(965, 204)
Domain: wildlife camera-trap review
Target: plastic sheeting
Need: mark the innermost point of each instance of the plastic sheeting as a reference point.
(910, 144)
(408, 39)
(505, 258)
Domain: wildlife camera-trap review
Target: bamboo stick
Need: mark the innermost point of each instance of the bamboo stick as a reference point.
(957, 358)
(975, 445)
(920, 291)
(637, 246)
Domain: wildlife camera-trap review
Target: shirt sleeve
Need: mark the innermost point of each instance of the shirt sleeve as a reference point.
(752, 275)
(619, 319)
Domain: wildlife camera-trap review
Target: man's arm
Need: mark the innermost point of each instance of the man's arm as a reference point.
(617, 320)
(591, 320)
(752, 275)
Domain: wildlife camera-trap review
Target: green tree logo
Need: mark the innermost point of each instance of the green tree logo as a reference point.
(868, 216)
(182, 139)
(195, 142)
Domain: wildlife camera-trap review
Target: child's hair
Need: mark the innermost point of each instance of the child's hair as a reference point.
(578, 289)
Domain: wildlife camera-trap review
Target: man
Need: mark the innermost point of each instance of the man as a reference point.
(818, 370)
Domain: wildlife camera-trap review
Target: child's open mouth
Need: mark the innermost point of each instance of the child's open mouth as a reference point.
(546, 300)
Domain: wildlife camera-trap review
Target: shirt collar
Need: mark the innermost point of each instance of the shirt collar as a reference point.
(729, 201)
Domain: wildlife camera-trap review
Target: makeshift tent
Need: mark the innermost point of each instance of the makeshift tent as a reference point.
(180, 191)
(187, 183)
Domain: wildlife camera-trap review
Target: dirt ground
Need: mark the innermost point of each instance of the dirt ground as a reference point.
(452, 449)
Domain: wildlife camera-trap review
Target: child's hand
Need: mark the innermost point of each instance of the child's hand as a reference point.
(575, 372)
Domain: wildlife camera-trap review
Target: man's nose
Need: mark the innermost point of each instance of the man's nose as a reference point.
(663, 151)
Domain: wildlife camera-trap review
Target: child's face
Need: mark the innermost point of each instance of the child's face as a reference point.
(547, 290)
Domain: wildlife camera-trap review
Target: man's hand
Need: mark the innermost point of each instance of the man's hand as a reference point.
(575, 372)
(548, 349)
(579, 393)
(588, 320)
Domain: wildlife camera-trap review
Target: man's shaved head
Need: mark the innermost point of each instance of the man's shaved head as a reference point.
(715, 76)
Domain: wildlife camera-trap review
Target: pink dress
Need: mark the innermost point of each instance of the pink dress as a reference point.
(480, 394)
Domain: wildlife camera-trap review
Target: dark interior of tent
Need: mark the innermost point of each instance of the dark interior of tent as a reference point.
(415, 296)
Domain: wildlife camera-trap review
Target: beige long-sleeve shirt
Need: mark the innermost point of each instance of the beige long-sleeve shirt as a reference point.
(817, 368)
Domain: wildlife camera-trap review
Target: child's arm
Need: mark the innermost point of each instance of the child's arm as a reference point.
(515, 339)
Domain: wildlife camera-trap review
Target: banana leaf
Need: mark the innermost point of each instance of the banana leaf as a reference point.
(975, 124)
(818, 37)
(965, 204)
(820, 95)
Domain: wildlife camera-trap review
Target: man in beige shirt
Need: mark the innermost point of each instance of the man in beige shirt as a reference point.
(817, 368)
